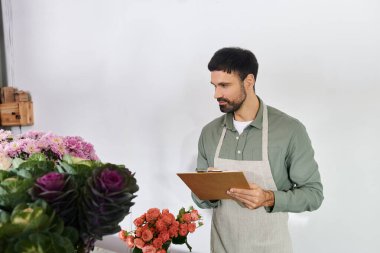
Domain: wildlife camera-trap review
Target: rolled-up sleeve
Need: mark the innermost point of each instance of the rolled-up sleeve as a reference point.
(307, 191)
(205, 204)
(202, 164)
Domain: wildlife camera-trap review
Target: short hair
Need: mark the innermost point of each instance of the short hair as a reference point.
(234, 59)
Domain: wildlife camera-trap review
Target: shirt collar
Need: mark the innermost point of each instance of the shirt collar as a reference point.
(258, 122)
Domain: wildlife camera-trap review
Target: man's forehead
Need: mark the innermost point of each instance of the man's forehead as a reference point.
(222, 76)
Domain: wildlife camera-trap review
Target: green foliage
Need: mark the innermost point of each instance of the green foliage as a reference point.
(33, 168)
(36, 218)
(16, 162)
(103, 216)
(34, 227)
(13, 192)
(136, 250)
(38, 157)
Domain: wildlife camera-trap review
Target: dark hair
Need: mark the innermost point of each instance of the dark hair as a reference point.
(234, 59)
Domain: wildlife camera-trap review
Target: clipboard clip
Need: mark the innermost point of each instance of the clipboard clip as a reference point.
(209, 170)
(214, 171)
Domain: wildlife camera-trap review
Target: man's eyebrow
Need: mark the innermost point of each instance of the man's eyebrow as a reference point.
(221, 83)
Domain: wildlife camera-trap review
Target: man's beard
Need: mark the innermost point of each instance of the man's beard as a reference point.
(233, 106)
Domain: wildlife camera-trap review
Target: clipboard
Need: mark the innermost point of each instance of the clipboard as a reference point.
(213, 185)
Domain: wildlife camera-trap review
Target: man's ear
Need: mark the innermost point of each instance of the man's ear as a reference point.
(249, 81)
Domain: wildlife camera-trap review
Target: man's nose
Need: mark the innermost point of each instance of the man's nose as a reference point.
(217, 93)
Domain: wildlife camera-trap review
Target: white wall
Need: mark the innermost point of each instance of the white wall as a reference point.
(131, 77)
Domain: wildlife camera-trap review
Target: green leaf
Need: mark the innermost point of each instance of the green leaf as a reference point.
(166, 245)
(34, 169)
(136, 250)
(42, 242)
(13, 191)
(4, 174)
(179, 239)
(4, 216)
(16, 162)
(76, 160)
(181, 212)
(64, 167)
(72, 234)
(38, 157)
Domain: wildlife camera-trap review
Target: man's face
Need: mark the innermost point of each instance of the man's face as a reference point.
(229, 90)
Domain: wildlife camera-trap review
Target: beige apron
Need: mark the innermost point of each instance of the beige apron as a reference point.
(237, 229)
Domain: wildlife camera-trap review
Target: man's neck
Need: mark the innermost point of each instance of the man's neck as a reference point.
(248, 110)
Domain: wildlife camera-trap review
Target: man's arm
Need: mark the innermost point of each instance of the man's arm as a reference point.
(307, 193)
(202, 164)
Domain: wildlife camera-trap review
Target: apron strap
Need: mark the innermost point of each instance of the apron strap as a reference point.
(264, 144)
(220, 144)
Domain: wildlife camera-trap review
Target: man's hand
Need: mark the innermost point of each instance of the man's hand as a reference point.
(254, 197)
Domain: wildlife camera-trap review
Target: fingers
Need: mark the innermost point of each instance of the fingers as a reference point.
(246, 191)
(252, 198)
(242, 192)
(249, 204)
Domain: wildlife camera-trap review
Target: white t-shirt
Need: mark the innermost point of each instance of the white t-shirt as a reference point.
(241, 125)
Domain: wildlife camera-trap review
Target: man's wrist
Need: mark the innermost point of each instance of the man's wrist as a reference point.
(269, 199)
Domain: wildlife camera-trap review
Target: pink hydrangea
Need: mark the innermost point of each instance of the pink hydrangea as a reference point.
(52, 145)
(5, 135)
(31, 147)
(77, 147)
(35, 135)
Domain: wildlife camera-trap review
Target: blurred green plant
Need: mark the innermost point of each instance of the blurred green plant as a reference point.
(62, 206)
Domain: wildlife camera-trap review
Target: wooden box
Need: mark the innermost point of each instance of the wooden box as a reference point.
(16, 114)
(22, 96)
(8, 94)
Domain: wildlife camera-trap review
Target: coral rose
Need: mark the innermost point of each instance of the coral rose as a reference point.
(183, 232)
(168, 218)
(139, 243)
(160, 225)
(183, 229)
(191, 227)
(164, 236)
(130, 241)
(194, 215)
(122, 235)
(152, 214)
(138, 222)
(173, 231)
(147, 235)
(139, 231)
(149, 249)
(161, 251)
(157, 243)
(186, 217)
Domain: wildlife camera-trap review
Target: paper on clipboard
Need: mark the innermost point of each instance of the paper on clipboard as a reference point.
(210, 185)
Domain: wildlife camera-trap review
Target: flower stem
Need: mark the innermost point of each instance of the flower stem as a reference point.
(188, 245)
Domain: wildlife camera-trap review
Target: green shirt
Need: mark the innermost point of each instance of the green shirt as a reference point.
(291, 157)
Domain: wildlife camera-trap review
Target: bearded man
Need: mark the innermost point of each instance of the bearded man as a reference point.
(272, 148)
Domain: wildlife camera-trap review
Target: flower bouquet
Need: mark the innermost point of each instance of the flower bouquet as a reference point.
(156, 230)
(56, 196)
